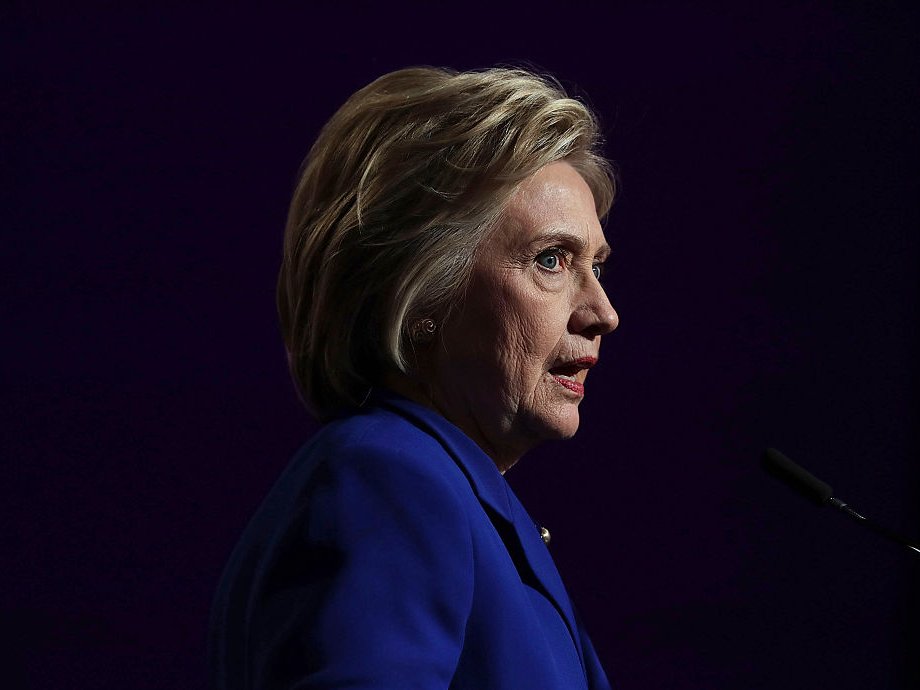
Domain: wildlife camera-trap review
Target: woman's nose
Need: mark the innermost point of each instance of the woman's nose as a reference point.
(593, 314)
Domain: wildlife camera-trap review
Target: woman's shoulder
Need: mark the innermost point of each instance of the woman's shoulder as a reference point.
(371, 470)
(356, 471)
(378, 429)
(375, 435)
(378, 445)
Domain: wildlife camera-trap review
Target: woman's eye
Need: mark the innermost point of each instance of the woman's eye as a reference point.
(550, 259)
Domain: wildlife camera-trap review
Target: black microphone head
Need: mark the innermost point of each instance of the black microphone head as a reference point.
(781, 467)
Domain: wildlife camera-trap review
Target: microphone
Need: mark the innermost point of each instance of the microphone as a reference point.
(779, 466)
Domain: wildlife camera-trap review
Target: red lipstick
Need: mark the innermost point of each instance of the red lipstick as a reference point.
(564, 374)
(574, 386)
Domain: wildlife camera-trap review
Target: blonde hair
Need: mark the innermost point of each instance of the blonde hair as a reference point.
(400, 188)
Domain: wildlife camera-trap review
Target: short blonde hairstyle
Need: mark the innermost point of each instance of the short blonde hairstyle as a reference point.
(401, 187)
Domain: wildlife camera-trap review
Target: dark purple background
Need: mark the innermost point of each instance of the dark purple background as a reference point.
(766, 275)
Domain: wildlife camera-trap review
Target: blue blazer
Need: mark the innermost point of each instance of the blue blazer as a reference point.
(391, 553)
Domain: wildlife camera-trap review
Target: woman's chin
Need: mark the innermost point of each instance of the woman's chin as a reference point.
(556, 424)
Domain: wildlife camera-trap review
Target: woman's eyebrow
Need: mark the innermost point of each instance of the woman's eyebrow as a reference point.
(569, 239)
(575, 241)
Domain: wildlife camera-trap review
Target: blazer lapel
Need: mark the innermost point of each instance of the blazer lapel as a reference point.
(544, 568)
(487, 482)
(494, 492)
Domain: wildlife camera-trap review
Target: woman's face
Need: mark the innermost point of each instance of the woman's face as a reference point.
(511, 367)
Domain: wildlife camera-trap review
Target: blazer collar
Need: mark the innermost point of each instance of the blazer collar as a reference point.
(487, 482)
(491, 488)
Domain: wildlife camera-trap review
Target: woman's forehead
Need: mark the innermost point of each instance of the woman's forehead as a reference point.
(555, 202)
(556, 184)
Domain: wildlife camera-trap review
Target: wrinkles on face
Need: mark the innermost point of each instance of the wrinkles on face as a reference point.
(521, 317)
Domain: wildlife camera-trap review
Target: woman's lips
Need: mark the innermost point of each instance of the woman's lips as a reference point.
(570, 383)
(567, 374)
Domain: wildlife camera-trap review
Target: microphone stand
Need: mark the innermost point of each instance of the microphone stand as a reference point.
(812, 488)
(874, 526)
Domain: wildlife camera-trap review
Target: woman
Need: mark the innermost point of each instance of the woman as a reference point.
(440, 304)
